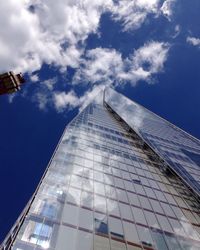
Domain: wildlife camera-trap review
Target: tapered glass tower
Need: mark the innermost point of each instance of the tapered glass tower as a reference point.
(120, 178)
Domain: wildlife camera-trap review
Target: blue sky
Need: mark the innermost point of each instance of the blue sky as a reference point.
(149, 50)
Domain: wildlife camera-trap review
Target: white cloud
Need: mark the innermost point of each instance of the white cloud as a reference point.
(41, 99)
(49, 83)
(177, 31)
(100, 65)
(63, 100)
(194, 41)
(150, 58)
(107, 66)
(133, 13)
(92, 94)
(42, 95)
(54, 32)
(50, 33)
(34, 78)
(167, 8)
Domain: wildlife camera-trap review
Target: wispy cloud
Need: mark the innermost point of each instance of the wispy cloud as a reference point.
(34, 78)
(167, 8)
(43, 93)
(193, 41)
(104, 67)
(177, 31)
(51, 32)
(55, 32)
(69, 100)
(49, 83)
(133, 13)
(99, 65)
(107, 66)
(63, 100)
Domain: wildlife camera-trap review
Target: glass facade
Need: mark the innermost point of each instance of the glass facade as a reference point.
(107, 189)
(178, 149)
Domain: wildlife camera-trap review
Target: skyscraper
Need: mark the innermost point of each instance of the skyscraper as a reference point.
(10, 83)
(120, 178)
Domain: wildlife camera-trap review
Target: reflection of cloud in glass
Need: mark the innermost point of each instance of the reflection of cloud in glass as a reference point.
(156, 131)
(37, 233)
(190, 231)
(90, 182)
(129, 111)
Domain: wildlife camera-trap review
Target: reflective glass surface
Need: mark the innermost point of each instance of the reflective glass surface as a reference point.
(103, 190)
(178, 149)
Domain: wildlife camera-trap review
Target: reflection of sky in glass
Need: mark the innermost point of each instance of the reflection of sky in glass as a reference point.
(168, 141)
(101, 192)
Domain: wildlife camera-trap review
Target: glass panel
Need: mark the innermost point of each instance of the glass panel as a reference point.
(84, 240)
(133, 198)
(116, 245)
(139, 215)
(101, 243)
(163, 221)
(87, 199)
(86, 219)
(130, 232)
(113, 207)
(159, 239)
(101, 224)
(66, 237)
(125, 211)
(157, 133)
(172, 243)
(37, 233)
(116, 229)
(151, 219)
(145, 236)
(70, 214)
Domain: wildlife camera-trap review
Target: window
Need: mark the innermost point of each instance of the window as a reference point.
(138, 215)
(87, 199)
(101, 227)
(133, 199)
(122, 196)
(70, 214)
(167, 209)
(116, 229)
(192, 155)
(110, 192)
(84, 240)
(159, 239)
(99, 188)
(139, 189)
(145, 202)
(49, 210)
(172, 243)
(125, 211)
(73, 195)
(164, 223)
(37, 233)
(150, 193)
(130, 232)
(86, 219)
(99, 203)
(145, 236)
(100, 223)
(113, 207)
(151, 219)
(156, 206)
